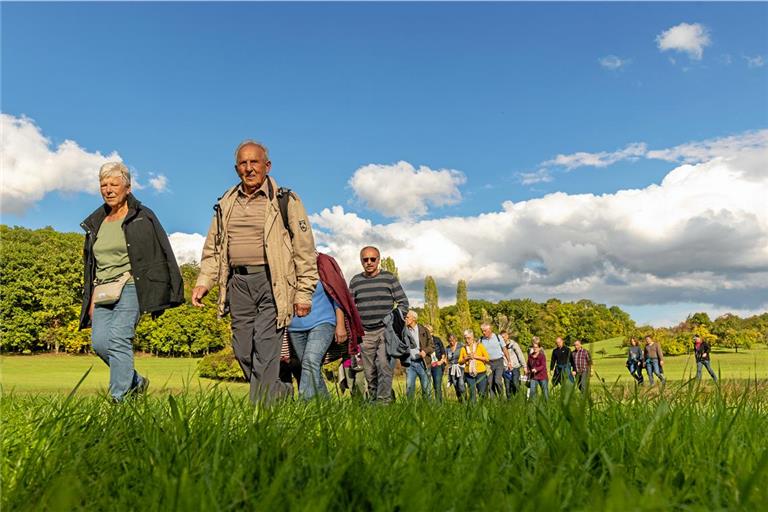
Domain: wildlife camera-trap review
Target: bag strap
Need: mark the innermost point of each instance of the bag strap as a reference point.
(283, 194)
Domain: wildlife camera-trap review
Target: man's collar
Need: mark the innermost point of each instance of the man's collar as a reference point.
(263, 188)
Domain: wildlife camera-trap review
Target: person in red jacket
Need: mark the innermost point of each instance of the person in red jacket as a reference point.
(537, 369)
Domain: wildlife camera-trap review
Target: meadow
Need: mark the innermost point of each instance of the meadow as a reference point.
(193, 444)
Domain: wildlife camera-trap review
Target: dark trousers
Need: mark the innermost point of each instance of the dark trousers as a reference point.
(496, 384)
(513, 384)
(437, 381)
(256, 340)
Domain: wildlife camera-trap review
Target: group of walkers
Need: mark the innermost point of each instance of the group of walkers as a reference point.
(260, 253)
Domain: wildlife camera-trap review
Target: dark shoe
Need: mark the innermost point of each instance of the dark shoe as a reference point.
(143, 385)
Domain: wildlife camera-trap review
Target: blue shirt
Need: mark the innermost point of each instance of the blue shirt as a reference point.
(323, 312)
(493, 346)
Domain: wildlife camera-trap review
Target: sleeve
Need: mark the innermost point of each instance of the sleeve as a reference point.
(552, 361)
(209, 260)
(399, 296)
(304, 257)
(177, 284)
(661, 352)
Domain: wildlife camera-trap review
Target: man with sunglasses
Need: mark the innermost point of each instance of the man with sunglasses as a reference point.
(376, 292)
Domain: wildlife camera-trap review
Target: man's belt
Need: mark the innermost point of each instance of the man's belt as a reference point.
(244, 270)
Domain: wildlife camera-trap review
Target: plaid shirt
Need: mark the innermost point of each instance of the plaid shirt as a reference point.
(581, 360)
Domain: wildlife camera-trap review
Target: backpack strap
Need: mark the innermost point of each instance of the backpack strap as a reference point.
(283, 195)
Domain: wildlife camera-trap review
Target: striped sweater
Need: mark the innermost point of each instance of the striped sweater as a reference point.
(375, 297)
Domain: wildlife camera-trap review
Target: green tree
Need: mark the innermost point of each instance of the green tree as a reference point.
(388, 264)
(464, 317)
(431, 307)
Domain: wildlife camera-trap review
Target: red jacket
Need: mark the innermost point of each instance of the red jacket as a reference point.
(336, 286)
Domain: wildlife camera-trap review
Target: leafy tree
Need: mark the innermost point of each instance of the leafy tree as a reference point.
(388, 264)
(464, 317)
(431, 307)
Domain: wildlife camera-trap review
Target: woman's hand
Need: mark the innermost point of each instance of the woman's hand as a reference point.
(341, 333)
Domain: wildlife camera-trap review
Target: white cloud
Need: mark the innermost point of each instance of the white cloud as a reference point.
(187, 247)
(755, 62)
(613, 62)
(690, 152)
(541, 176)
(31, 167)
(602, 159)
(402, 191)
(701, 236)
(690, 38)
(158, 182)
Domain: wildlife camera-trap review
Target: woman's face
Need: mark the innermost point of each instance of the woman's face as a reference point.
(536, 349)
(114, 190)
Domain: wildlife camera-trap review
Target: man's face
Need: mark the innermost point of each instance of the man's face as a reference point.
(487, 331)
(252, 166)
(410, 321)
(577, 345)
(559, 342)
(370, 260)
(505, 337)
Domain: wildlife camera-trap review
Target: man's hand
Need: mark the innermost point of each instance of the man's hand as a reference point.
(341, 333)
(422, 354)
(197, 296)
(302, 309)
(90, 310)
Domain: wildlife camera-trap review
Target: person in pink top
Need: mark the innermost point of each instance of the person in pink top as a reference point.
(537, 369)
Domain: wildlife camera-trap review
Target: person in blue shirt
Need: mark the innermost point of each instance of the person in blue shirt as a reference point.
(311, 335)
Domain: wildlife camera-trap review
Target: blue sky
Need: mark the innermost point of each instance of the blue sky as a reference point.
(490, 91)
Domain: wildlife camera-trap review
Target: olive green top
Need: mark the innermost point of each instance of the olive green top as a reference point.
(111, 251)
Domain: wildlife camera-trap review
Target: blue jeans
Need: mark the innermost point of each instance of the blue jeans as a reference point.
(477, 385)
(417, 369)
(458, 384)
(543, 384)
(706, 363)
(114, 327)
(561, 371)
(653, 367)
(513, 384)
(311, 347)
(437, 381)
(635, 370)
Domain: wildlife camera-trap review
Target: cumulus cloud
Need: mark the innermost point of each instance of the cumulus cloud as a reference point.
(755, 62)
(402, 191)
(613, 62)
(32, 167)
(187, 247)
(689, 38)
(701, 235)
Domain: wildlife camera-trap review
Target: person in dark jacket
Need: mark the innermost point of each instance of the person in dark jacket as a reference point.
(129, 269)
(439, 361)
(635, 360)
(701, 350)
(560, 364)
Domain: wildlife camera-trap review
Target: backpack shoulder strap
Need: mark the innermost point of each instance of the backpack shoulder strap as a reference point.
(283, 195)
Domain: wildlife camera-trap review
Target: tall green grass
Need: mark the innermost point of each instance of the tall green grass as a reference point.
(686, 448)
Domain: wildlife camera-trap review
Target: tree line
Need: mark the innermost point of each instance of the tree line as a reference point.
(41, 282)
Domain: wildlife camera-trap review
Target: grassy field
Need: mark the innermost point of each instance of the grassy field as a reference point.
(60, 373)
(686, 448)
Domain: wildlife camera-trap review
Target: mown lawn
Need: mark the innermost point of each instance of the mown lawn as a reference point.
(686, 448)
(59, 373)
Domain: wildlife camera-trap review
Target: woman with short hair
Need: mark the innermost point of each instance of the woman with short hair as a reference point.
(129, 269)
(537, 368)
(474, 357)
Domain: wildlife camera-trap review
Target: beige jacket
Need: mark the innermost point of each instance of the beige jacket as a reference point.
(292, 263)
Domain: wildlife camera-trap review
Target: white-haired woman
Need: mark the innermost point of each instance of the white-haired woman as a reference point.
(129, 269)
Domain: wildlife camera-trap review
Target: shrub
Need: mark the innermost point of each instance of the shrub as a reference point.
(220, 365)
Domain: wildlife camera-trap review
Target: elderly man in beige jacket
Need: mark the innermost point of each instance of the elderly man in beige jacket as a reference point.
(266, 271)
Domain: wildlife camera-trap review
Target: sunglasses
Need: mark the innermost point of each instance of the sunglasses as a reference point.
(371, 260)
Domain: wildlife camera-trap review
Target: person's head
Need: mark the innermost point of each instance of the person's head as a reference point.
(469, 336)
(633, 341)
(114, 184)
(505, 336)
(252, 164)
(559, 342)
(577, 344)
(486, 330)
(410, 318)
(452, 339)
(536, 345)
(648, 340)
(369, 258)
